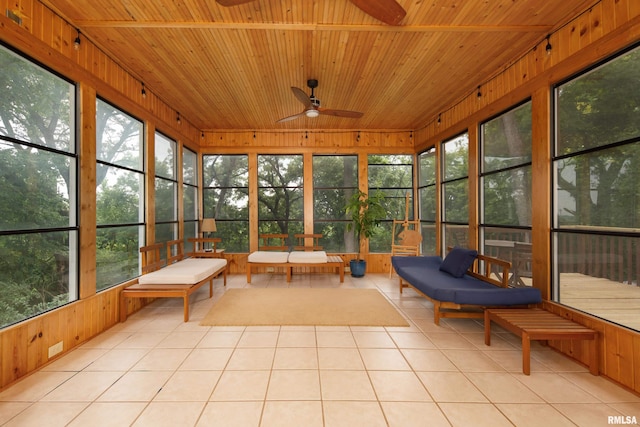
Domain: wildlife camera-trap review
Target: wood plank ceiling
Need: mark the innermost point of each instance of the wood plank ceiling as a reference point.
(231, 68)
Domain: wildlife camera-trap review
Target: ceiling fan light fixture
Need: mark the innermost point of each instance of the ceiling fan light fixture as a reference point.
(311, 113)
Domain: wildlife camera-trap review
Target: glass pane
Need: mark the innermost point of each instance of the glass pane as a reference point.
(35, 188)
(335, 238)
(190, 202)
(455, 235)
(507, 197)
(119, 196)
(428, 203)
(280, 171)
(234, 235)
(506, 140)
(190, 230)
(118, 138)
(390, 159)
(117, 255)
(36, 106)
(599, 274)
(166, 232)
(280, 204)
(427, 172)
(166, 196)
(165, 152)
(599, 107)
(380, 242)
(395, 204)
(280, 194)
(226, 171)
(189, 167)
(382, 176)
(456, 201)
(514, 246)
(456, 157)
(335, 171)
(282, 227)
(38, 273)
(429, 242)
(226, 203)
(329, 204)
(599, 189)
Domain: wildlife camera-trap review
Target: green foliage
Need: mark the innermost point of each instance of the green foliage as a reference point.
(365, 213)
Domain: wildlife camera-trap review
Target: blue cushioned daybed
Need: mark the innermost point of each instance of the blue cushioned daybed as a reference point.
(455, 286)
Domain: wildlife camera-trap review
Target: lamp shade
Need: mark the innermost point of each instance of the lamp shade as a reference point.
(208, 225)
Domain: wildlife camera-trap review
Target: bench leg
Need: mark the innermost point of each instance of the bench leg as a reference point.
(526, 353)
(185, 298)
(248, 273)
(436, 313)
(487, 328)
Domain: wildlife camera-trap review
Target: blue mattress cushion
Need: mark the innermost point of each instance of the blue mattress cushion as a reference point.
(424, 274)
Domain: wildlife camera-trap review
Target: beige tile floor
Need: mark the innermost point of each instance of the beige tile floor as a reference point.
(155, 370)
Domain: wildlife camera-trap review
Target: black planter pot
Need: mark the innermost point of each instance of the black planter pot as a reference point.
(358, 267)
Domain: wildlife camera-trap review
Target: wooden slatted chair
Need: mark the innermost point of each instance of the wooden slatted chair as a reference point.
(407, 241)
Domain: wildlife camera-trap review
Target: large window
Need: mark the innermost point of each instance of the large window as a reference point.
(38, 190)
(393, 175)
(120, 195)
(597, 196)
(455, 192)
(189, 195)
(280, 195)
(166, 191)
(427, 191)
(226, 198)
(335, 180)
(505, 221)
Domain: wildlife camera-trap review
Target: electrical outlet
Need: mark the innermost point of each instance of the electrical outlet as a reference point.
(55, 349)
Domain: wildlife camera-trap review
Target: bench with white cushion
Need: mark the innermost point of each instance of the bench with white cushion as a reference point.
(177, 280)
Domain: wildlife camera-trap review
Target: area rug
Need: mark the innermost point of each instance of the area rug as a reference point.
(303, 307)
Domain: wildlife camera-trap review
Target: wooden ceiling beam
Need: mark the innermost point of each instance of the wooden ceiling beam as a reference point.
(315, 27)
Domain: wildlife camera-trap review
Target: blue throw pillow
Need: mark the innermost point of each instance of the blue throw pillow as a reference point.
(458, 261)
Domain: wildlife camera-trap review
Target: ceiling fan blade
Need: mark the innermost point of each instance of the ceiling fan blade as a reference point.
(295, 116)
(229, 3)
(302, 96)
(340, 113)
(387, 11)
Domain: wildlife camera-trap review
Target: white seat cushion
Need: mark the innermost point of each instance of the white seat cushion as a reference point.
(186, 272)
(311, 257)
(268, 257)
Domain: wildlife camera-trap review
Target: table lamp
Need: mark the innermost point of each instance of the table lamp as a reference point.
(208, 226)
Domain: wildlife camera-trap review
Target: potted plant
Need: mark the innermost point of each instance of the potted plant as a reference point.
(365, 213)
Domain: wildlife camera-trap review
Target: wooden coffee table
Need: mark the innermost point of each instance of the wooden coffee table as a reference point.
(537, 324)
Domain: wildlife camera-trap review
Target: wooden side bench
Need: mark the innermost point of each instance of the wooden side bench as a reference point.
(537, 324)
(333, 262)
(174, 280)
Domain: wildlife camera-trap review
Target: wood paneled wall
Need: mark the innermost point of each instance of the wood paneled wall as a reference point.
(609, 26)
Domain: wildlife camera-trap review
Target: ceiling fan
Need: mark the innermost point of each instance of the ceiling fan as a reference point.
(312, 105)
(387, 11)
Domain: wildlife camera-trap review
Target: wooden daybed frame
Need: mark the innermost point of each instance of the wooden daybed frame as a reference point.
(152, 262)
(495, 272)
(277, 243)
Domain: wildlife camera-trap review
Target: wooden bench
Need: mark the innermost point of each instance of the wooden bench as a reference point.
(275, 245)
(164, 272)
(537, 324)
